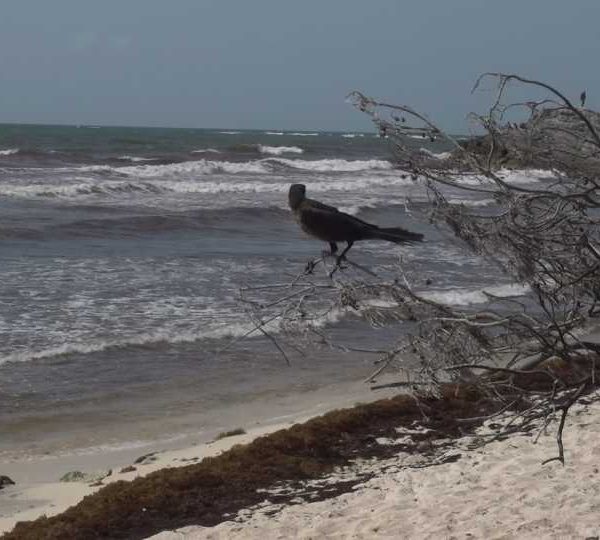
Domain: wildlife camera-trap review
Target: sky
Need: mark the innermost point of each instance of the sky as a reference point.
(281, 64)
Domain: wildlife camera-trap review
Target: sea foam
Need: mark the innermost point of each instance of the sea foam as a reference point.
(278, 150)
(158, 337)
(336, 165)
(154, 182)
(200, 167)
(135, 159)
(265, 165)
(206, 151)
(465, 297)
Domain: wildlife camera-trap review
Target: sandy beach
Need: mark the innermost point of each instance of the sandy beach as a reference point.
(38, 490)
(462, 489)
(500, 491)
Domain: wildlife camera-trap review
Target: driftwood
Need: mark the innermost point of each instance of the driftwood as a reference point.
(528, 352)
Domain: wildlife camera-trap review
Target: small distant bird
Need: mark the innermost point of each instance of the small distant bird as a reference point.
(327, 223)
(582, 98)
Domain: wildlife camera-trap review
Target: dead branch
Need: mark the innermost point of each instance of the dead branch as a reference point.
(544, 235)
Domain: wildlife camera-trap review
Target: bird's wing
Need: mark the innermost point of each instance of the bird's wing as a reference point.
(332, 226)
(319, 205)
(311, 203)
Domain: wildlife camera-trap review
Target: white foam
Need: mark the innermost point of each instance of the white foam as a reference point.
(135, 159)
(343, 184)
(204, 166)
(9, 151)
(300, 134)
(465, 297)
(84, 168)
(226, 330)
(278, 150)
(516, 176)
(206, 151)
(155, 181)
(336, 165)
(230, 132)
(364, 203)
(200, 167)
(274, 133)
(440, 155)
(77, 189)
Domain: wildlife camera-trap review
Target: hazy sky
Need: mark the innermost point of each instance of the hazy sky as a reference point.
(280, 63)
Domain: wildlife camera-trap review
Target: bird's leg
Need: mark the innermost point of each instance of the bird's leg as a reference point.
(342, 255)
(333, 250)
(310, 265)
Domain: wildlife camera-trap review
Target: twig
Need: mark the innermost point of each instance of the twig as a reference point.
(565, 410)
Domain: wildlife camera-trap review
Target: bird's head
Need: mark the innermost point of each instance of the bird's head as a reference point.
(296, 195)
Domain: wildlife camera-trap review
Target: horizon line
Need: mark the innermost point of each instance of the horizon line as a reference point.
(99, 126)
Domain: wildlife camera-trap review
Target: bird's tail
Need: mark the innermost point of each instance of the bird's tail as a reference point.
(396, 235)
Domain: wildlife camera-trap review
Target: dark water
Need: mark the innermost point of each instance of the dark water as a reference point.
(123, 250)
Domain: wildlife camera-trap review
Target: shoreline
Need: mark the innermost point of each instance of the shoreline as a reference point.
(38, 490)
(499, 491)
(419, 477)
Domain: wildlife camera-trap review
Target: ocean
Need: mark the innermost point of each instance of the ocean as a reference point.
(123, 251)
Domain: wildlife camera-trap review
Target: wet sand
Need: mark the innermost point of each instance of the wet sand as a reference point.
(38, 490)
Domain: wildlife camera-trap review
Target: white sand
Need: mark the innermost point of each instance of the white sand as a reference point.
(499, 491)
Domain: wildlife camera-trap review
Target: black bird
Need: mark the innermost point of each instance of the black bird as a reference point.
(582, 98)
(327, 223)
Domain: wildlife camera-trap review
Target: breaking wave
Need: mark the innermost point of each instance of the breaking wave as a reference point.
(440, 155)
(135, 159)
(175, 185)
(201, 167)
(265, 165)
(162, 338)
(9, 152)
(156, 338)
(259, 176)
(206, 151)
(510, 176)
(336, 165)
(278, 150)
(73, 190)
